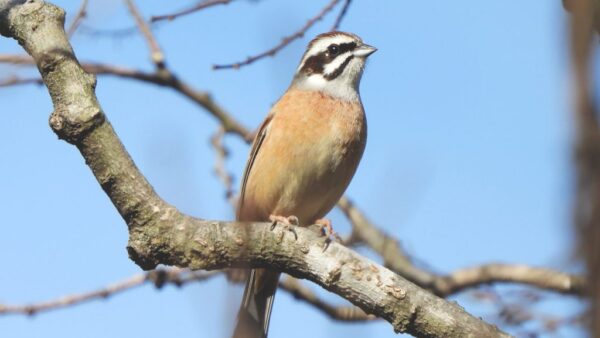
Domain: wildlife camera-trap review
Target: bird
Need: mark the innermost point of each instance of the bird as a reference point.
(303, 156)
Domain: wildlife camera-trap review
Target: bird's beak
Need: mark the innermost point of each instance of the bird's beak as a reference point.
(364, 50)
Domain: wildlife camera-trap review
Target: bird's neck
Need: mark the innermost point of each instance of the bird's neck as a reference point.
(339, 88)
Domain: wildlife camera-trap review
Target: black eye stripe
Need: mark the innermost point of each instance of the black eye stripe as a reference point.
(315, 64)
(346, 47)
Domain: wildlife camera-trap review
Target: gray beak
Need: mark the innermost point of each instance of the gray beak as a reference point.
(364, 50)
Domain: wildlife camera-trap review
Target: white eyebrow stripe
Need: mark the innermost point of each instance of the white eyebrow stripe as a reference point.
(321, 46)
(336, 63)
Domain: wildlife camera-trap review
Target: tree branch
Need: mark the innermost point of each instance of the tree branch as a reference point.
(180, 277)
(340, 17)
(156, 54)
(159, 278)
(547, 279)
(219, 167)
(284, 42)
(397, 260)
(162, 77)
(160, 234)
(199, 6)
(81, 14)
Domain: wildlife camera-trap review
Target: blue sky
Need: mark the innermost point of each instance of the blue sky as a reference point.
(467, 161)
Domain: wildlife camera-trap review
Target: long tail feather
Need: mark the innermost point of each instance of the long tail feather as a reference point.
(255, 311)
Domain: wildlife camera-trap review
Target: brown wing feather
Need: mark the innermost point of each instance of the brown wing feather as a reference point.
(258, 140)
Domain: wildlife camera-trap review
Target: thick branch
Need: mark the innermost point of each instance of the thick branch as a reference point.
(160, 234)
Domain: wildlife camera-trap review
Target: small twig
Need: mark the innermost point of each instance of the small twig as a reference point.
(342, 313)
(180, 277)
(542, 278)
(341, 16)
(81, 14)
(115, 33)
(15, 81)
(16, 59)
(517, 309)
(159, 278)
(284, 42)
(222, 153)
(162, 78)
(199, 6)
(155, 52)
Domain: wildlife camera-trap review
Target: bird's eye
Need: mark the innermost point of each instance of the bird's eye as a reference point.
(333, 49)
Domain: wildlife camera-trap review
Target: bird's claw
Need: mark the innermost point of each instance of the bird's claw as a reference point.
(288, 223)
(327, 230)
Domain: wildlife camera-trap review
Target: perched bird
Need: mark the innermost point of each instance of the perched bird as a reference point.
(303, 155)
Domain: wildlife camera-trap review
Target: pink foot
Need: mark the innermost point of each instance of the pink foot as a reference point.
(288, 223)
(327, 229)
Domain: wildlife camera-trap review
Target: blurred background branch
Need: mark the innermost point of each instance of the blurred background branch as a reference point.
(584, 18)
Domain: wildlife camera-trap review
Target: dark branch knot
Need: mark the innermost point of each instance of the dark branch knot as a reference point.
(73, 127)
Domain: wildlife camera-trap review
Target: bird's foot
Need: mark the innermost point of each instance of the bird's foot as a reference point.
(288, 223)
(327, 230)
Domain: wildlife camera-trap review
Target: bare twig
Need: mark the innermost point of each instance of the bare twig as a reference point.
(167, 79)
(162, 78)
(114, 33)
(16, 59)
(156, 53)
(15, 81)
(158, 277)
(284, 42)
(542, 278)
(180, 277)
(81, 14)
(516, 308)
(220, 170)
(340, 17)
(199, 6)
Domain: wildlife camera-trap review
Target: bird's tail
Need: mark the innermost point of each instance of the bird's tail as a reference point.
(255, 311)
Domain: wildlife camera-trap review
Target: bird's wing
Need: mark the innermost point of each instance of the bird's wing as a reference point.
(258, 141)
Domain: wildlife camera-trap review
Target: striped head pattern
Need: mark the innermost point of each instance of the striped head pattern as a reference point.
(333, 63)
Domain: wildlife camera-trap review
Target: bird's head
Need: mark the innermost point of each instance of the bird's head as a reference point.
(333, 63)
